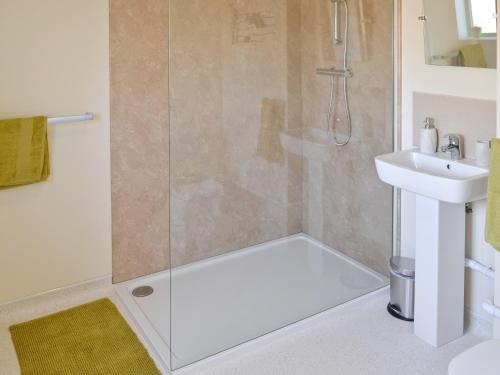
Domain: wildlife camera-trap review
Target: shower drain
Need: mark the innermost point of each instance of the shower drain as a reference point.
(142, 291)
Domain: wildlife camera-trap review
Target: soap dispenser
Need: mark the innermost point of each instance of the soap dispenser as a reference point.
(428, 137)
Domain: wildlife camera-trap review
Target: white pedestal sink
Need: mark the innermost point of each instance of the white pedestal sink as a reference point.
(443, 187)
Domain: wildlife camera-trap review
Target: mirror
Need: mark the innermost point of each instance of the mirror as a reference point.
(461, 33)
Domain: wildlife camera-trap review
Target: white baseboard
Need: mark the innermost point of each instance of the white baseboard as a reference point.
(93, 284)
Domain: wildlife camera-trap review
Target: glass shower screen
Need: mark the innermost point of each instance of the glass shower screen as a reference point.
(270, 221)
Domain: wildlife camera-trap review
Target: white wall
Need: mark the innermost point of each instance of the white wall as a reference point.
(463, 82)
(54, 61)
(497, 256)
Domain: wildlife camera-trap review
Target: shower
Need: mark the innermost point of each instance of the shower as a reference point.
(345, 73)
(267, 222)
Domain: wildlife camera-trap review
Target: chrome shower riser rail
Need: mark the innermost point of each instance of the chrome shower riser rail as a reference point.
(344, 74)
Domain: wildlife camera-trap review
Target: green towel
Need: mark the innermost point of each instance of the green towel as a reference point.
(24, 151)
(472, 56)
(493, 204)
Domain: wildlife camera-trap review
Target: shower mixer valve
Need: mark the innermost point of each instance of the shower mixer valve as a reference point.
(347, 73)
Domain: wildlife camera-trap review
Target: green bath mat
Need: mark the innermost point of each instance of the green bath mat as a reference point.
(88, 339)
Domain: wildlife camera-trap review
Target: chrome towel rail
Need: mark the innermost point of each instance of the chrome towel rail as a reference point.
(66, 119)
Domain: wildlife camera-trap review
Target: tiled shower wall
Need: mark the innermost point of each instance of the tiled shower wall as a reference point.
(345, 204)
(233, 93)
(139, 137)
(250, 156)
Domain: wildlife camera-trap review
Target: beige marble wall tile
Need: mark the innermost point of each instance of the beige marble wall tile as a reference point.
(139, 137)
(345, 205)
(233, 93)
(251, 160)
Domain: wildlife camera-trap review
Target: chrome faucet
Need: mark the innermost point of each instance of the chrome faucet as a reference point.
(455, 146)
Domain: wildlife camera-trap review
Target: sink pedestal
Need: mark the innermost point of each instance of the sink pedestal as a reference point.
(439, 271)
(443, 187)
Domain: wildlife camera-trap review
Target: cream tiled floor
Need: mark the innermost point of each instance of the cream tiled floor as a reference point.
(358, 338)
